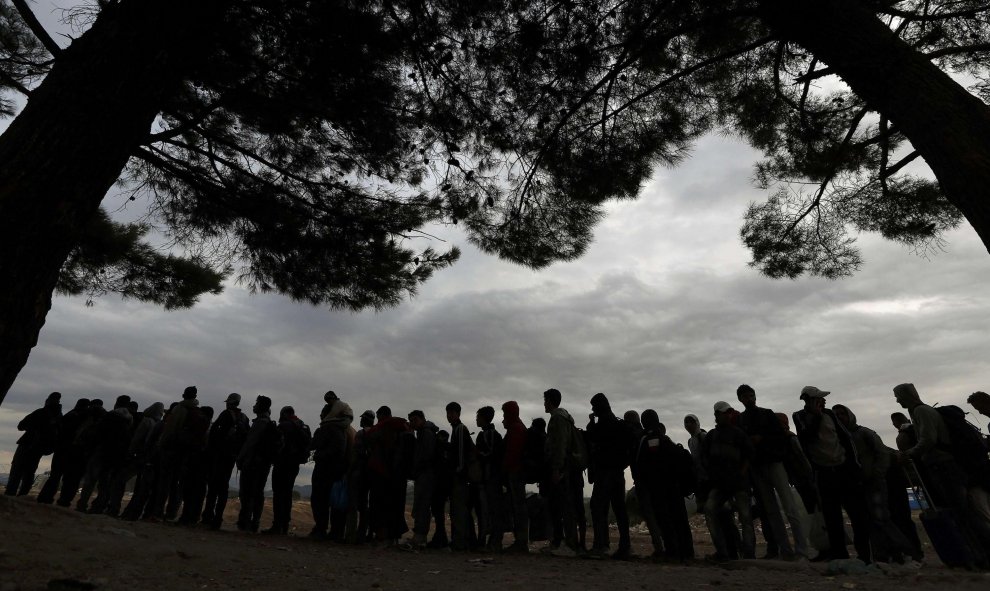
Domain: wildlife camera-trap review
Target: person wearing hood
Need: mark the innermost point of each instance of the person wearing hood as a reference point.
(888, 542)
(610, 440)
(727, 454)
(654, 468)
(559, 453)
(296, 439)
(423, 475)
(513, 468)
(264, 441)
(226, 437)
(329, 446)
(64, 458)
(947, 480)
(40, 438)
(838, 475)
(108, 457)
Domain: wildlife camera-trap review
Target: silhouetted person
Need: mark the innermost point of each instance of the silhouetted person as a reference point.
(387, 477)
(255, 462)
(534, 460)
(513, 469)
(296, 439)
(227, 435)
(172, 458)
(63, 457)
(110, 443)
(981, 402)
(40, 438)
(838, 475)
(147, 460)
(423, 472)
(888, 542)
(329, 445)
(357, 479)
(610, 442)
(441, 491)
(488, 446)
(946, 479)
(196, 471)
(559, 455)
(726, 455)
(769, 476)
(137, 454)
(461, 456)
(656, 466)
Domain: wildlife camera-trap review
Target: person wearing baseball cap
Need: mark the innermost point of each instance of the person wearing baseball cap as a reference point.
(227, 435)
(727, 453)
(838, 475)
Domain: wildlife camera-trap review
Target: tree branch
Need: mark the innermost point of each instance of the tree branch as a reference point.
(892, 170)
(957, 49)
(911, 16)
(13, 83)
(35, 25)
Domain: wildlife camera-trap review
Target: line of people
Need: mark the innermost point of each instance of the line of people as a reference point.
(749, 467)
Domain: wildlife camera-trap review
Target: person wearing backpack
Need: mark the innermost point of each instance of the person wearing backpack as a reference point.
(195, 473)
(172, 458)
(39, 439)
(63, 458)
(610, 440)
(226, 437)
(264, 441)
(657, 467)
(296, 439)
(565, 461)
(936, 450)
(329, 446)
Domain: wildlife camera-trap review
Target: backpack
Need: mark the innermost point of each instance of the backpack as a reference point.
(577, 451)
(967, 444)
(192, 434)
(297, 450)
(232, 441)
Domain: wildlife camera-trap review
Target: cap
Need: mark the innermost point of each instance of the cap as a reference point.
(233, 397)
(722, 406)
(813, 392)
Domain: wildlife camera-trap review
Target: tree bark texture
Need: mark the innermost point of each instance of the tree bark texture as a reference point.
(69, 145)
(946, 124)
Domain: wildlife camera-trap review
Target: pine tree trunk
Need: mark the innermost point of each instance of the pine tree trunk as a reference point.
(69, 145)
(946, 124)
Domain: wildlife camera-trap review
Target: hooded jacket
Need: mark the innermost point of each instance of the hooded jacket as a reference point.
(514, 441)
(174, 422)
(874, 456)
(41, 428)
(808, 424)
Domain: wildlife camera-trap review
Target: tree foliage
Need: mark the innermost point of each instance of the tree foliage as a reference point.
(564, 103)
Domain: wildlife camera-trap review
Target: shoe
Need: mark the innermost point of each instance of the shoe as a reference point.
(275, 530)
(717, 558)
(549, 548)
(517, 548)
(623, 553)
(317, 535)
(769, 556)
(564, 551)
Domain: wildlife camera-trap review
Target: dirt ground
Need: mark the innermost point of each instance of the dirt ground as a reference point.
(48, 547)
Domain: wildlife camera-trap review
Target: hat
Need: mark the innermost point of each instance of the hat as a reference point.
(233, 397)
(813, 392)
(368, 414)
(722, 406)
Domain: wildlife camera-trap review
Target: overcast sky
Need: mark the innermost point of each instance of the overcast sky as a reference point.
(662, 313)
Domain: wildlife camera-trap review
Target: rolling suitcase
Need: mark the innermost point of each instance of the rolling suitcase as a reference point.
(943, 530)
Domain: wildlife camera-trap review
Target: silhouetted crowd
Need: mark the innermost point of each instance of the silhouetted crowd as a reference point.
(750, 467)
